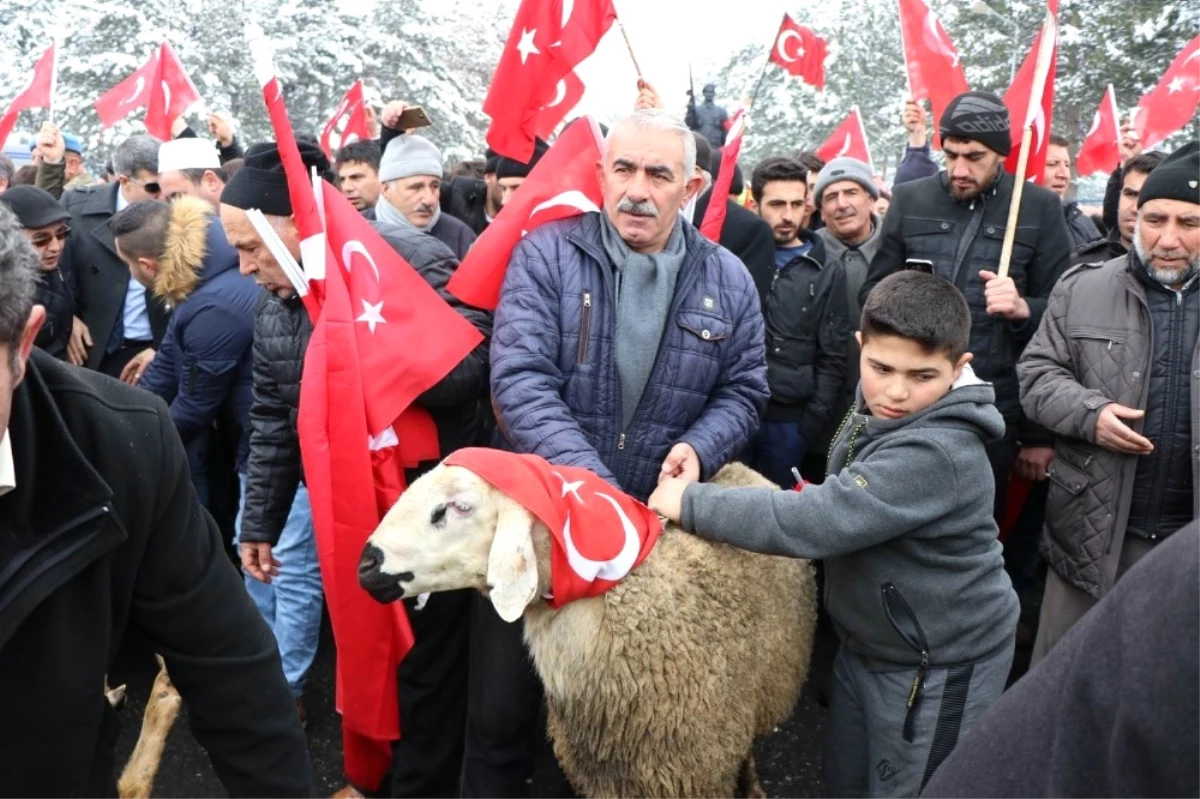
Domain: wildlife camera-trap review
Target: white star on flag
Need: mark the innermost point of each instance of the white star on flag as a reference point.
(570, 488)
(526, 45)
(372, 315)
(1176, 85)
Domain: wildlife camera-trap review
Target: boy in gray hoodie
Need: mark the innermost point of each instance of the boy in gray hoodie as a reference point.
(915, 580)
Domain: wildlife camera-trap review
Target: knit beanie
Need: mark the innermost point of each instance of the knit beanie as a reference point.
(490, 159)
(981, 117)
(1176, 178)
(846, 168)
(511, 168)
(261, 183)
(410, 155)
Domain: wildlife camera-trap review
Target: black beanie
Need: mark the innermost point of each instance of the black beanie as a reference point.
(490, 159)
(703, 153)
(981, 117)
(1176, 178)
(260, 182)
(511, 168)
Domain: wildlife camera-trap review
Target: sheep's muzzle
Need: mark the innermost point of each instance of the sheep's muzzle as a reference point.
(381, 586)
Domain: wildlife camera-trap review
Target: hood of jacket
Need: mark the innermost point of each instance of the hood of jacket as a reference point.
(196, 250)
(969, 402)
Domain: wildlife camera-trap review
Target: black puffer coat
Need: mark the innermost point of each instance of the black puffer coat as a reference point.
(459, 403)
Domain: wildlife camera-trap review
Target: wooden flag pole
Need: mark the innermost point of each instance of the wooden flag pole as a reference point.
(629, 47)
(1045, 52)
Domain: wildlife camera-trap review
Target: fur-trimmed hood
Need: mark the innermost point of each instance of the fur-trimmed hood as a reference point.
(196, 250)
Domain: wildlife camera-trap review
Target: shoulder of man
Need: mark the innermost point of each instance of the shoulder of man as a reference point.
(97, 401)
(1088, 272)
(418, 248)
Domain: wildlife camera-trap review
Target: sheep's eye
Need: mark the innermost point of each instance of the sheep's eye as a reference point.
(438, 517)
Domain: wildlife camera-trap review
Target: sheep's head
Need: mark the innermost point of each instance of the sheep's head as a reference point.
(452, 530)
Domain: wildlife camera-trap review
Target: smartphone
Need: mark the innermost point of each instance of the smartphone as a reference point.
(920, 264)
(414, 117)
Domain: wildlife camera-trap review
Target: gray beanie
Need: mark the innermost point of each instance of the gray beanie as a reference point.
(845, 168)
(410, 155)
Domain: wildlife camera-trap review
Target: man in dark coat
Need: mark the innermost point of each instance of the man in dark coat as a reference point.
(428, 760)
(117, 315)
(1057, 178)
(952, 224)
(44, 223)
(124, 546)
(1119, 240)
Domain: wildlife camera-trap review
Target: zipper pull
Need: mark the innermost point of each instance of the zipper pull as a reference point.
(621, 442)
(812, 290)
(587, 299)
(1110, 343)
(918, 680)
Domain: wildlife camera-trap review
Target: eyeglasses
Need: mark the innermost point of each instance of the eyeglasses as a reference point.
(151, 187)
(40, 240)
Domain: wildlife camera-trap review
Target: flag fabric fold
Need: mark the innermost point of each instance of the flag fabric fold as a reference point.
(161, 85)
(1017, 99)
(935, 71)
(567, 95)
(848, 139)
(349, 121)
(38, 92)
(1172, 103)
(714, 216)
(1101, 148)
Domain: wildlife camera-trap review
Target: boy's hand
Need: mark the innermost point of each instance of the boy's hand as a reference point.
(667, 499)
(1002, 297)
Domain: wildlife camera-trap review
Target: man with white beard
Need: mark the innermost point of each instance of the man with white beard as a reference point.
(1114, 372)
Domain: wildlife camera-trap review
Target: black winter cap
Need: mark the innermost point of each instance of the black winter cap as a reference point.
(1176, 178)
(34, 207)
(510, 168)
(981, 117)
(261, 183)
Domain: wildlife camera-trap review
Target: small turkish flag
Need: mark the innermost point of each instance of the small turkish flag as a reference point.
(1017, 100)
(128, 95)
(935, 71)
(1171, 104)
(714, 216)
(38, 93)
(566, 96)
(548, 39)
(850, 139)
(171, 95)
(351, 117)
(1101, 149)
(598, 533)
(563, 183)
(800, 52)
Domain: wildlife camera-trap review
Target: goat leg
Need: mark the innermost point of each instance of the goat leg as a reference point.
(162, 708)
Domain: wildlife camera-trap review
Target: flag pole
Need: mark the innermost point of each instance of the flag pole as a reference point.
(629, 47)
(53, 78)
(1045, 52)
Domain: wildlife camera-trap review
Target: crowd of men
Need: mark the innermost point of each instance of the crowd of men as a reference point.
(624, 342)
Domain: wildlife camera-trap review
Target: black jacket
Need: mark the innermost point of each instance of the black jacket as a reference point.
(744, 234)
(804, 310)
(450, 231)
(458, 404)
(101, 277)
(926, 224)
(56, 295)
(1080, 227)
(127, 546)
(1113, 710)
(1100, 251)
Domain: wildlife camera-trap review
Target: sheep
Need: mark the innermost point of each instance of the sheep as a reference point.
(162, 708)
(657, 688)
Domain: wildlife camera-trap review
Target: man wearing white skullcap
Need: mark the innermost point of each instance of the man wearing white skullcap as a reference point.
(191, 166)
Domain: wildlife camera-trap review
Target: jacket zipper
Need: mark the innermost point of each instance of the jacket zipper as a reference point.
(890, 592)
(585, 327)
(1172, 390)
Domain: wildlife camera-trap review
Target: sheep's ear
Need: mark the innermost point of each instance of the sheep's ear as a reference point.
(512, 564)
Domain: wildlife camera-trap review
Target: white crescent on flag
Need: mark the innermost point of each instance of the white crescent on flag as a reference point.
(779, 46)
(356, 246)
(1039, 126)
(569, 199)
(845, 147)
(1095, 125)
(936, 41)
(137, 91)
(616, 567)
(560, 94)
(166, 97)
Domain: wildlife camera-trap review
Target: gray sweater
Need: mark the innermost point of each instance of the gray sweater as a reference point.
(905, 528)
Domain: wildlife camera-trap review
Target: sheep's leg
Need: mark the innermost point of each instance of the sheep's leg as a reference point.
(748, 784)
(162, 708)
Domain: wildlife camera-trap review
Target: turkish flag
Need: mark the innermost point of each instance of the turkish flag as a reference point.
(563, 183)
(567, 95)
(171, 94)
(1171, 104)
(38, 93)
(351, 117)
(1017, 100)
(935, 71)
(800, 52)
(548, 39)
(1101, 150)
(128, 95)
(714, 215)
(598, 533)
(849, 139)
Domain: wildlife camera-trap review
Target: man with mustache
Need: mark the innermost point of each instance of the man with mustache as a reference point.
(626, 343)
(1057, 178)
(1114, 372)
(952, 225)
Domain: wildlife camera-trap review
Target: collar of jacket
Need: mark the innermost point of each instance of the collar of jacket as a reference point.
(53, 522)
(836, 248)
(586, 236)
(103, 201)
(989, 193)
(1142, 276)
(183, 255)
(816, 254)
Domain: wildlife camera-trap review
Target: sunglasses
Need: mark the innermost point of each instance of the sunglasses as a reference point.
(151, 187)
(42, 239)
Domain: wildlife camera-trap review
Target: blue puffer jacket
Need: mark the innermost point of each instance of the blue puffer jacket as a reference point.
(554, 377)
(203, 368)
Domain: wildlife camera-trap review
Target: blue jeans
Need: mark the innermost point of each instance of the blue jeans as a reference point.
(291, 604)
(776, 448)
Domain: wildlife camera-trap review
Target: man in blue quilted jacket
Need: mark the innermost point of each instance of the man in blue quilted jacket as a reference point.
(625, 343)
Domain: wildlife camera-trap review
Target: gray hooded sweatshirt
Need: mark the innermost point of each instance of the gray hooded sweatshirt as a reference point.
(914, 571)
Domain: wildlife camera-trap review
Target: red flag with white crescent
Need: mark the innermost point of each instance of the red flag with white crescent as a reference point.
(800, 52)
(171, 93)
(718, 205)
(349, 121)
(1171, 104)
(1101, 149)
(38, 92)
(848, 139)
(935, 71)
(567, 95)
(129, 95)
(598, 533)
(1017, 100)
(563, 183)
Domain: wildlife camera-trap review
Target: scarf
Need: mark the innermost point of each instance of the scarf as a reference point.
(386, 212)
